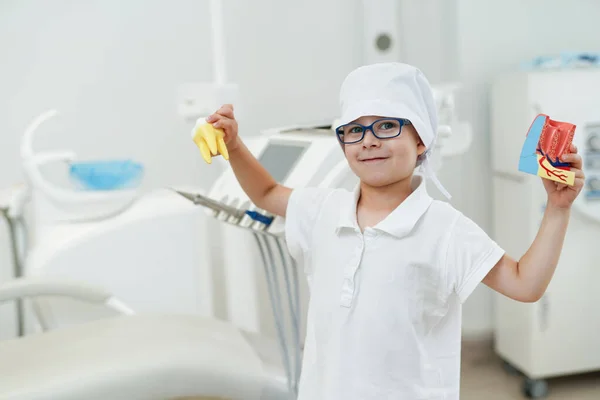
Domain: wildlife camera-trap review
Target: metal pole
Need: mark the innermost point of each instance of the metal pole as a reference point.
(17, 271)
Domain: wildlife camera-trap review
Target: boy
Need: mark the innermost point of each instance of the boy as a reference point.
(388, 266)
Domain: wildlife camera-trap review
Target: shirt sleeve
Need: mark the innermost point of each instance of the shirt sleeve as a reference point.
(303, 210)
(471, 256)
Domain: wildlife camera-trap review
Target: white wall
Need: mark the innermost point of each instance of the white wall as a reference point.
(112, 68)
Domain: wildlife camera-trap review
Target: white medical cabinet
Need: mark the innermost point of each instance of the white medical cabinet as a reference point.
(558, 335)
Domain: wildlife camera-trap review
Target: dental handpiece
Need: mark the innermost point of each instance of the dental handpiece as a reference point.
(220, 207)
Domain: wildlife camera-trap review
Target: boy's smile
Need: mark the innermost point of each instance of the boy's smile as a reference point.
(372, 159)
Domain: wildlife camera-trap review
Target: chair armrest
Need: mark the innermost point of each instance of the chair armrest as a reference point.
(34, 287)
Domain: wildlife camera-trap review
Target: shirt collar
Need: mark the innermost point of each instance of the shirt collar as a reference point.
(400, 221)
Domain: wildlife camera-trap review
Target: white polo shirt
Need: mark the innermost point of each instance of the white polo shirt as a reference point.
(384, 318)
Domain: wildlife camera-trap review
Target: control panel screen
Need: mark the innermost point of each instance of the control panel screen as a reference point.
(279, 159)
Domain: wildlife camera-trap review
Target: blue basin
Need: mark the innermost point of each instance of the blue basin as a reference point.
(107, 175)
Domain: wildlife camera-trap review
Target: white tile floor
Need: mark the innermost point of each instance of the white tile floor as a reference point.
(483, 377)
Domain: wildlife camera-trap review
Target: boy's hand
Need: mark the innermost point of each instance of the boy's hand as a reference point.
(224, 119)
(561, 195)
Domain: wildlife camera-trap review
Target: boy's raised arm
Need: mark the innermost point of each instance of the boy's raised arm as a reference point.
(254, 179)
(527, 279)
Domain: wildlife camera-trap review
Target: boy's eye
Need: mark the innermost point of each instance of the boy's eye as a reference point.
(387, 125)
(355, 129)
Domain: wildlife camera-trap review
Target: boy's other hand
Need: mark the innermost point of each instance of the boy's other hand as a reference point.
(561, 195)
(224, 119)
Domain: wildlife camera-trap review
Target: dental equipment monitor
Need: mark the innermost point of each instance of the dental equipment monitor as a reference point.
(279, 159)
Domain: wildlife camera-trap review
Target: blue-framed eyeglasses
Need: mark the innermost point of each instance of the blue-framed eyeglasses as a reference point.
(385, 128)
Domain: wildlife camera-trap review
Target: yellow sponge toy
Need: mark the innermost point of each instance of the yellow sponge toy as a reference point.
(210, 141)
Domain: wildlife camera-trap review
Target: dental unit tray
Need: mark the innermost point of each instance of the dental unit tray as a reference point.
(272, 250)
(228, 213)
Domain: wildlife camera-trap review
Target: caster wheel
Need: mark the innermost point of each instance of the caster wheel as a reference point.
(535, 388)
(510, 369)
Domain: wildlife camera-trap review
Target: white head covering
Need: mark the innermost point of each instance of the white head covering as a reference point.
(394, 90)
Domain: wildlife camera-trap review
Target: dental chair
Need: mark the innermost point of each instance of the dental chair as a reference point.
(151, 356)
(146, 356)
(130, 357)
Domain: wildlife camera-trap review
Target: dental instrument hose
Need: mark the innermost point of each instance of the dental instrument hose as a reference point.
(276, 312)
(294, 308)
(270, 255)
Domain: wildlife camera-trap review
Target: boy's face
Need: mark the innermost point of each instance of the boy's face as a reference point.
(382, 162)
